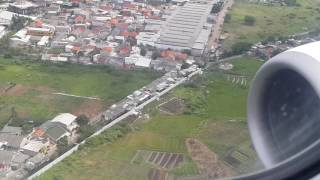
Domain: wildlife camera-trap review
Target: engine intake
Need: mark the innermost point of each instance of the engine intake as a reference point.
(284, 107)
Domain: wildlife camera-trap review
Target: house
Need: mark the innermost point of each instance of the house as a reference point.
(3, 31)
(5, 160)
(24, 8)
(35, 161)
(56, 133)
(63, 125)
(10, 141)
(11, 130)
(18, 160)
(53, 131)
(138, 61)
(147, 38)
(33, 147)
(67, 120)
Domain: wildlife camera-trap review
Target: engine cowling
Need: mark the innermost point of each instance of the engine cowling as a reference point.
(284, 108)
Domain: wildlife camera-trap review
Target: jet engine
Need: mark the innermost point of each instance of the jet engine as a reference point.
(284, 109)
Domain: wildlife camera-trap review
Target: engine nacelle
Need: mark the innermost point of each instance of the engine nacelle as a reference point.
(284, 108)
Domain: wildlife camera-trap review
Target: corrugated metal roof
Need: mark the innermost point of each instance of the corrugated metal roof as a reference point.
(184, 26)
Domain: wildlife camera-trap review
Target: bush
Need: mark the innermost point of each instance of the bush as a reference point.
(227, 18)
(291, 2)
(187, 51)
(62, 145)
(82, 120)
(240, 47)
(85, 131)
(108, 136)
(216, 8)
(155, 54)
(249, 20)
(143, 52)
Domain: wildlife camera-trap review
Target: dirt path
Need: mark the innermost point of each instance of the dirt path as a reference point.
(207, 161)
(217, 26)
(72, 95)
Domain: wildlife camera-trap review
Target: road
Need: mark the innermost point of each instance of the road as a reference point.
(114, 122)
(223, 60)
(217, 26)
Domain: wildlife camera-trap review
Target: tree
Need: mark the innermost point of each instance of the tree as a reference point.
(240, 48)
(18, 22)
(291, 2)
(187, 51)
(5, 44)
(155, 54)
(216, 8)
(143, 52)
(82, 120)
(27, 128)
(15, 120)
(184, 65)
(227, 18)
(85, 131)
(249, 20)
(62, 145)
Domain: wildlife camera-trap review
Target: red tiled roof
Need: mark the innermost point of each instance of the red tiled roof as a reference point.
(168, 54)
(123, 26)
(38, 23)
(38, 132)
(125, 50)
(107, 49)
(76, 49)
(181, 56)
(129, 34)
(79, 19)
(114, 21)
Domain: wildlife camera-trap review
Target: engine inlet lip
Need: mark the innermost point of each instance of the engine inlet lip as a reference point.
(307, 66)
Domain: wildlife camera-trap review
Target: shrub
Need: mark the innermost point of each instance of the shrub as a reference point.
(227, 18)
(249, 20)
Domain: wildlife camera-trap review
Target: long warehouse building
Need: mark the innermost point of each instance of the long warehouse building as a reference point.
(187, 28)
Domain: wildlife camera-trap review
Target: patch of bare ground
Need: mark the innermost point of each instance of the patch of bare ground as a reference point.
(90, 108)
(174, 106)
(157, 174)
(207, 161)
(15, 90)
(20, 90)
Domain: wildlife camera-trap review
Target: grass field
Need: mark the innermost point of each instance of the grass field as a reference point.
(217, 118)
(270, 21)
(33, 98)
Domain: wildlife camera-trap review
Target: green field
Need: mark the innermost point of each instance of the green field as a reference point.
(270, 21)
(216, 116)
(29, 87)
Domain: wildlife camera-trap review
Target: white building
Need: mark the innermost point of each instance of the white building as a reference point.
(20, 38)
(68, 120)
(3, 31)
(138, 61)
(183, 28)
(147, 38)
(34, 147)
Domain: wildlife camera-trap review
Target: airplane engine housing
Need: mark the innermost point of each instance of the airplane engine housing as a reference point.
(284, 108)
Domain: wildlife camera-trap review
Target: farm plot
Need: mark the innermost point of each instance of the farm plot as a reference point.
(174, 106)
(157, 174)
(162, 160)
(207, 161)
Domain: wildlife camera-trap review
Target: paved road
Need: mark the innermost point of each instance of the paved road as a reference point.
(217, 26)
(124, 116)
(223, 60)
